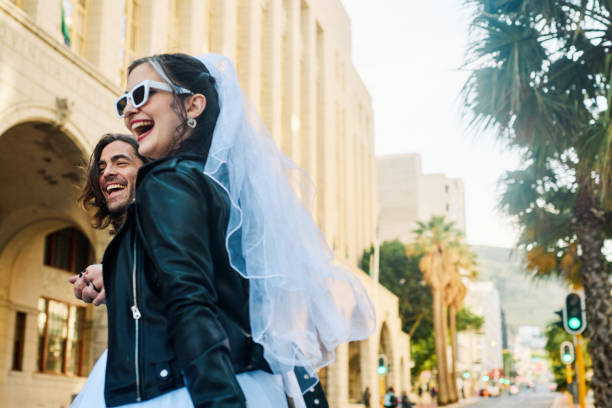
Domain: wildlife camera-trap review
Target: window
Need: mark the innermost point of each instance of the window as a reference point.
(74, 15)
(20, 324)
(60, 337)
(131, 27)
(68, 249)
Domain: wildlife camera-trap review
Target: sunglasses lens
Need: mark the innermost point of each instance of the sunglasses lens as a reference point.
(138, 95)
(121, 103)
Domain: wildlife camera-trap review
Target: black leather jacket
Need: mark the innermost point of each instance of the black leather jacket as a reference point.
(177, 313)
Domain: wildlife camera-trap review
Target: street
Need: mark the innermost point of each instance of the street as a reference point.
(540, 398)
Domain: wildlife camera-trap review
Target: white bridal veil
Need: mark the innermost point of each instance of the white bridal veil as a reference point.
(302, 305)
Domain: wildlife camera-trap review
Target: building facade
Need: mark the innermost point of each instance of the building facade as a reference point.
(406, 196)
(479, 354)
(63, 63)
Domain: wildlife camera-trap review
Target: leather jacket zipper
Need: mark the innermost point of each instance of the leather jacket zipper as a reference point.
(136, 315)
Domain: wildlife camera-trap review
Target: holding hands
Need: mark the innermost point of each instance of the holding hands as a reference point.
(88, 285)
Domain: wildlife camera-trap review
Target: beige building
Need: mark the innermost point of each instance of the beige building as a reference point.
(62, 64)
(406, 196)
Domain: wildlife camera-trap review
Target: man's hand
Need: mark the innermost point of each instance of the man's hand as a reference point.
(89, 286)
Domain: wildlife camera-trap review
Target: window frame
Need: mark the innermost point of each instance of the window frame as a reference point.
(79, 18)
(43, 351)
(49, 250)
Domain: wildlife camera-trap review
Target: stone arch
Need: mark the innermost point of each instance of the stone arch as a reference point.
(40, 177)
(385, 347)
(23, 113)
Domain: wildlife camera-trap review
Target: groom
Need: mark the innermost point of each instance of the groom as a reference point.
(109, 189)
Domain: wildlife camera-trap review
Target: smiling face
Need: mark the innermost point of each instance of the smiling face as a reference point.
(118, 166)
(154, 124)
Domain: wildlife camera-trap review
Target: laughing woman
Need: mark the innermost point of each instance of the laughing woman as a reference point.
(219, 285)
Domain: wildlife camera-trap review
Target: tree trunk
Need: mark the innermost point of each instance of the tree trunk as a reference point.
(440, 340)
(449, 387)
(589, 230)
(453, 364)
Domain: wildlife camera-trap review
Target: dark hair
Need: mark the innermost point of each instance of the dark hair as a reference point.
(190, 73)
(91, 197)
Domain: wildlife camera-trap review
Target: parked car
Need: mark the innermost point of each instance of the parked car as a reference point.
(493, 390)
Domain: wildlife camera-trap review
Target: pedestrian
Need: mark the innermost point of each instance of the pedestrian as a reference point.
(390, 399)
(366, 397)
(405, 400)
(217, 257)
(433, 391)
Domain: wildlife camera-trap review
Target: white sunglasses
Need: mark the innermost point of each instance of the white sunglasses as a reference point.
(140, 94)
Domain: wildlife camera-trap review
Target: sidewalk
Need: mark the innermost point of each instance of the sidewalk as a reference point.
(463, 403)
(563, 401)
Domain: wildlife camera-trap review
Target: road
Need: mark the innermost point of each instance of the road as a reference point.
(540, 398)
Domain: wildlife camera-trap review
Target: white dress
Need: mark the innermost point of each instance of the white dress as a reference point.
(261, 389)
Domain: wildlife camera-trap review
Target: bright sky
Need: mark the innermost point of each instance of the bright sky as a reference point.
(409, 54)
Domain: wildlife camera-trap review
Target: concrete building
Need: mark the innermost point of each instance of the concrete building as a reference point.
(406, 196)
(480, 353)
(62, 64)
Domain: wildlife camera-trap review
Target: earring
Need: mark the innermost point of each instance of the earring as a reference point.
(191, 122)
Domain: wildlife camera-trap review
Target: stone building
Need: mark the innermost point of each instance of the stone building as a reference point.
(407, 195)
(62, 64)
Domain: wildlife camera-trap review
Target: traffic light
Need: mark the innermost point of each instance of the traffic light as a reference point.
(574, 314)
(382, 364)
(567, 352)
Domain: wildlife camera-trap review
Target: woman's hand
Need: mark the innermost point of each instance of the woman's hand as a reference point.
(88, 285)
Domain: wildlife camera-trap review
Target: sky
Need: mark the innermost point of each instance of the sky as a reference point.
(409, 54)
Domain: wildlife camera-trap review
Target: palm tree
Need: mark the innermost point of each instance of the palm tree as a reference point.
(464, 261)
(541, 80)
(435, 240)
(455, 294)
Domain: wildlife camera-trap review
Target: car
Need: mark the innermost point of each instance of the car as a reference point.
(514, 389)
(493, 390)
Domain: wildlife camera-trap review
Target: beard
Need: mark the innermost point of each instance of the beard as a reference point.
(118, 212)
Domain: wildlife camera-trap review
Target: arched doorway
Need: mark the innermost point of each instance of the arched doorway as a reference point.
(44, 239)
(40, 174)
(385, 352)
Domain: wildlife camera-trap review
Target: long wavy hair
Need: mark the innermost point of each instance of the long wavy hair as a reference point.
(91, 199)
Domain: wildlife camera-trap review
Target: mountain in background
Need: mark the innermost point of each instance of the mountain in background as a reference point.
(526, 302)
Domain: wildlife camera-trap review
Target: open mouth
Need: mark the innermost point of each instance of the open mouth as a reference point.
(114, 188)
(142, 128)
